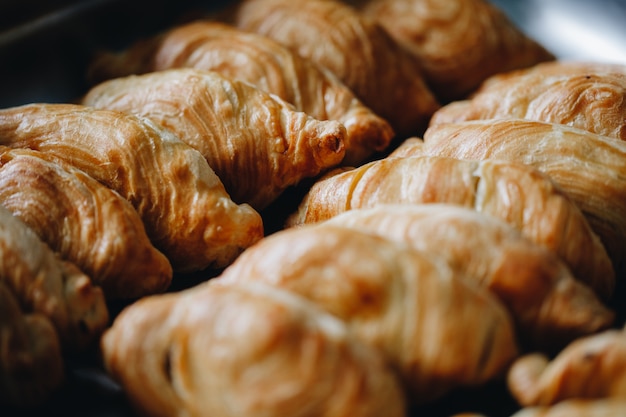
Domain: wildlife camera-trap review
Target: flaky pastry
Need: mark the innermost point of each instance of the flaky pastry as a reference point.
(257, 144)
(609, 407)
(385, 76)
(185, 209)
(250, 350)
(407, 303)
(585, 95)
(262, 62)
(549, 306)
(517, 193)
(84, 221)
(43, 284)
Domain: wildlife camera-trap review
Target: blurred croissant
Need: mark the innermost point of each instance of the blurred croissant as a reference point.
(262, 62)
(407, 303)
(589, 168)
(549, 307)
(610, 407)
(84, 221)
(459, 43)
(590, 367)
(256, 144)
(385, 76)
(31, 365)
(585, 95)
(185, 209)
(516, 193)
(252, 350)
(43, 284)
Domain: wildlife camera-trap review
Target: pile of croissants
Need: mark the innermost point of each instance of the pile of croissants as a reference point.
(451, 202)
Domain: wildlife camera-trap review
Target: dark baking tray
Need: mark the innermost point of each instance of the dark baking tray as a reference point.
(45, 46)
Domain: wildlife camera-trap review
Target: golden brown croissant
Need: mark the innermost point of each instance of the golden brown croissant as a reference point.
(589, 96)
(31, 365)
(590, 367)
(262, 62)
(45, 285)
(516, 193)
(590, 168)
(548, 305)
(610, 407)
(385, 76)
(250, 350)
(256, 144)
(458, 43)
(84, 221)
(407, 303)
(185, 209)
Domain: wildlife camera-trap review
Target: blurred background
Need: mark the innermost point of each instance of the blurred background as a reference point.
(45, 44)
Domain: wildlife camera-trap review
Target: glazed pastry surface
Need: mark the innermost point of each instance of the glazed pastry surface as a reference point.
(262, 62)
(610, 407)
(404, 302)
(256, 144)
(250, 350)
(519, 194)
(458, 43)
(584, 95)
(84, 221)
(185, 209)
(549, 306)
(335, 36)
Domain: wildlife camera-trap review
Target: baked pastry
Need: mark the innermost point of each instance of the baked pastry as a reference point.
(84, 221)
(260, 61)
(514, 192)
(610, 407)
(591, 367)
(384, 75)
(45, 285)
(256, 144)
(548, 305)
(185, 209)
(31, 363)
(585, 95)
(404, 302)
(458, 43)
(250, 350)
(589, 168)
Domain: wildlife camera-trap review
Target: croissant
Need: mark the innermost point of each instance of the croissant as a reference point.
(549, 307)
(382, 74)
(611, 407)
(250, 350)
(84, 221)
(516, 193)
(257, 145)
(262, 62)
(585, 95)
(590, 168)
(590, 367)
(458, 43)
(404, 302)
(43, 284)
(185, 209)
(31, 363)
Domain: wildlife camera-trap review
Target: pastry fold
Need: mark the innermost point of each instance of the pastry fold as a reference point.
(610, 407)
(586, 95)
(186, 211)
(517, 193)
(45, 285)
(31, 363)
(84, 221)
(458, 43)
(257, 144)
(404, 302)
(592, 367)
(589, 168)
(549, 306)
(250, 350)
(262, 62)
(382, 74)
